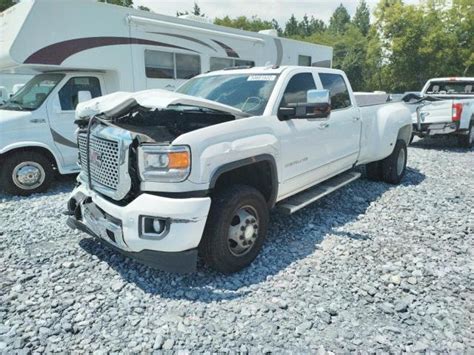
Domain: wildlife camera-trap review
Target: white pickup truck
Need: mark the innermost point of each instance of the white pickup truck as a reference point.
(446, 107)
(168, 175)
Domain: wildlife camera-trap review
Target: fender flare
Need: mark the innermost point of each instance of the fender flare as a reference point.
(249, 161)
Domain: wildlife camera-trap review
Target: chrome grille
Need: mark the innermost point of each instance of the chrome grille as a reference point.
(104, 160)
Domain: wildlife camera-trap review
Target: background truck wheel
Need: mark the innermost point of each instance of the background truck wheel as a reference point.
(394, 166)
(25, 173)
(236, 229)
(467, 141)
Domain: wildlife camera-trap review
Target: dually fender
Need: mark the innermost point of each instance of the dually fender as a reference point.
(391, 122)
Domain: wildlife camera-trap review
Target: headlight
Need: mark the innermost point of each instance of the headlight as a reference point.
(163, 163)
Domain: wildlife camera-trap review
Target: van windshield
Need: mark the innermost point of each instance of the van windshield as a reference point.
(33, 94)
(246, 92)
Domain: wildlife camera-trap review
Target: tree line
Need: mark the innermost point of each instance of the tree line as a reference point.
(402, 47)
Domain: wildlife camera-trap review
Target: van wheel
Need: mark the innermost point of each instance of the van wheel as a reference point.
(467, 141)
(235, 230)
(25, 173)
(394, 166)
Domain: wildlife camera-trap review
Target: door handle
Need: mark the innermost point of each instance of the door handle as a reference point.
(169, 87)
(356, 118)
(37, 120)
(323, 125)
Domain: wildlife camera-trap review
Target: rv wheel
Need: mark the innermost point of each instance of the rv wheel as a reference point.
(25, 173)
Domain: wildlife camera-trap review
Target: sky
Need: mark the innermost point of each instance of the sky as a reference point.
(281, 10)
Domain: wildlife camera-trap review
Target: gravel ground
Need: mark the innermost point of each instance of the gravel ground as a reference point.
(371, 267)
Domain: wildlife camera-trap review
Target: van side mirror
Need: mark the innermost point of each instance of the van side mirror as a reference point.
(317, 105)
(83, 96)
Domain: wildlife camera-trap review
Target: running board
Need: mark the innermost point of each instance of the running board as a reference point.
(304, 198)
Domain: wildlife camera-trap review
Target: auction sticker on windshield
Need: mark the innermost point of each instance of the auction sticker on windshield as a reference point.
(261, 78)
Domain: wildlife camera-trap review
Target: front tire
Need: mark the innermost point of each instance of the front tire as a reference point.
(467, 141)
(236, 229)
(25, 173)
(394, 166)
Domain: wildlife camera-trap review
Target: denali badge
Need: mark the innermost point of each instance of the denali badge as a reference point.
(96, 158)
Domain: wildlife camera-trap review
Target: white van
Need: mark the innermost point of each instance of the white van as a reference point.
(80, 56)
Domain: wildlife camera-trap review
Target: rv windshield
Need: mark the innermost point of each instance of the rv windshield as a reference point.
(246, 92)
(33, 94)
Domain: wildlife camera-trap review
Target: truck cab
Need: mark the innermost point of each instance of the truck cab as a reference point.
(37, 129)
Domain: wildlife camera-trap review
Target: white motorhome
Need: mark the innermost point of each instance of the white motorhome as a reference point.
(80, 55)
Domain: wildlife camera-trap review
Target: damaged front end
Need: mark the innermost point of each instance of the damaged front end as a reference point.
(130, 143)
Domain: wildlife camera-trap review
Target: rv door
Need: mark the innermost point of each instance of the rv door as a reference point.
(61, 112)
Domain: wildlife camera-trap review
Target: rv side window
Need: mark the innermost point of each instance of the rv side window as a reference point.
(159, 65)
(304, 60)
(187, 66)
(68, 95)
(337, 86)
(221, 63)
(244, 63)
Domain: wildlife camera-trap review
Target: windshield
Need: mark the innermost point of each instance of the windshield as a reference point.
(246, 92)
(451, 87)
(33, 94)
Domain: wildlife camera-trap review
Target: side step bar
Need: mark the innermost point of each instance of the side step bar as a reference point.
(304, 198)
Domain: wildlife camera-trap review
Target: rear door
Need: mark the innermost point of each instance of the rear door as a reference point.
(344, 125)
(61, 113)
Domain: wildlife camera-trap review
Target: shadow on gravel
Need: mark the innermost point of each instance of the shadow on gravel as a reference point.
(290, 240)
(442, 143)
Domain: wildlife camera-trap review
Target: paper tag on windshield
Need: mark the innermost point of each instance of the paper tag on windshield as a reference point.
(261, 78)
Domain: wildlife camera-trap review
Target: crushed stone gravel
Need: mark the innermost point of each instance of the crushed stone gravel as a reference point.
(371, 267)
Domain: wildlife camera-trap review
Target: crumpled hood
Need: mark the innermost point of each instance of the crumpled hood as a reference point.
(113, 104)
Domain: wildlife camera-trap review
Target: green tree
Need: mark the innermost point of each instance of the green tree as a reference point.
(127, 3)
(291, 27)
(339, 20)
(143, 8)
(362, 17)
(196, 11)
(5, 4)
(249, 24)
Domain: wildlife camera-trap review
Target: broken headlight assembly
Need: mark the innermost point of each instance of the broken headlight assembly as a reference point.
(164, 163)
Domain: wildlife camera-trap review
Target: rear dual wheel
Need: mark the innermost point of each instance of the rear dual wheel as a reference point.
(467, 141)
(392, 168)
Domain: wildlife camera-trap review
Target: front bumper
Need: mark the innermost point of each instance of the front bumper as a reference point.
(120, 226)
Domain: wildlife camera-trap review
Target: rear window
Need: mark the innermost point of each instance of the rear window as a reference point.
(451, 87)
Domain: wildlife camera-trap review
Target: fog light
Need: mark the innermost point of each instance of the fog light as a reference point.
(154, 228)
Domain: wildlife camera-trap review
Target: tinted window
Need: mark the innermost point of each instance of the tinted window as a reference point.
(337, 86)
(159, 65)
(187, 66)
(297, 88)
(220, 63)
(451, 87)
(304, 60)
(68, 95)
(244, 63)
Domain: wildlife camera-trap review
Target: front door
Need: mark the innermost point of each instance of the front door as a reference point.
(304, 142)
(61, 113)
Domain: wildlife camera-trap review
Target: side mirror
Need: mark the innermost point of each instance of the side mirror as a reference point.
(83, 96)
(317, 105)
